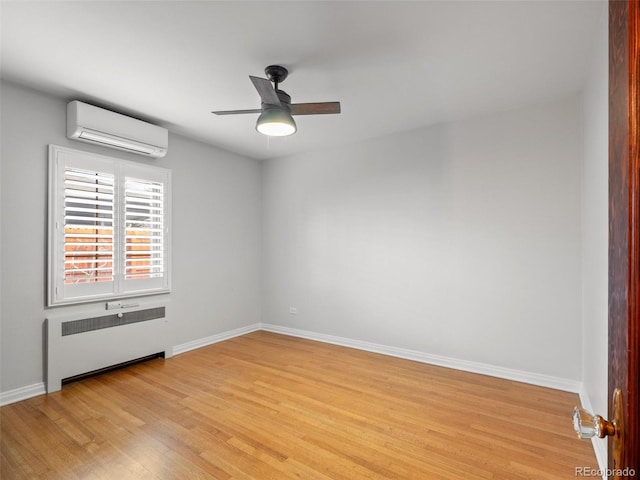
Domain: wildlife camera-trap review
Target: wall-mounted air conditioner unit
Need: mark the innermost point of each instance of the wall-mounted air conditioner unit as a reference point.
(91, 124)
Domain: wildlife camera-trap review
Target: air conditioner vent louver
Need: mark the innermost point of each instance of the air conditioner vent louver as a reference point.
(91, 124)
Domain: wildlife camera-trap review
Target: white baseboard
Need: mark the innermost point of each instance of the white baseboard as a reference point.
(22, 393)
(465, 365)
(548, 381)
(203, 342)
(599, 445)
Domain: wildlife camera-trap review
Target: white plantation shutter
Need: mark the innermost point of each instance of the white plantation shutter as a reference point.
(144, 228)
(88, 226)
(108, 224)
(145, 215)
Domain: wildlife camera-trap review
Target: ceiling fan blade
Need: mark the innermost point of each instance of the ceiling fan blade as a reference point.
(266, 90)
(236, 112)
(315, 108)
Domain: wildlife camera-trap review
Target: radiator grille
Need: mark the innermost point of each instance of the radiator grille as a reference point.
(107, 321)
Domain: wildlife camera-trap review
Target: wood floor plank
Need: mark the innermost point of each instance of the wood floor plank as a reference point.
(267, 406)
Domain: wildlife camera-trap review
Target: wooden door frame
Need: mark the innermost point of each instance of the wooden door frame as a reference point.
(624, 223)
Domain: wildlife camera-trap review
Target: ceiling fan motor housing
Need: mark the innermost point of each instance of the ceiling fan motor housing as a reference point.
(276, 73)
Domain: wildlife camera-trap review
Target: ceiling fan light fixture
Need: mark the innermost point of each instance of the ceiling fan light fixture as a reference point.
(276, 122)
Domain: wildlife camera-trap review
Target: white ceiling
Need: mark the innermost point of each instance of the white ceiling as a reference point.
(393, 65)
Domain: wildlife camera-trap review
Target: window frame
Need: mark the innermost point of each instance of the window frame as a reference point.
(60, 292)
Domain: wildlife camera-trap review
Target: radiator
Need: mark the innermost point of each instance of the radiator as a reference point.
(76, 346)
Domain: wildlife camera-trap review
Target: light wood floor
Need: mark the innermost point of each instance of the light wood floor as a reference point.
(266, 406)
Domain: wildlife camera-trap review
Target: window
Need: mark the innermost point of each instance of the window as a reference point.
(108, 227)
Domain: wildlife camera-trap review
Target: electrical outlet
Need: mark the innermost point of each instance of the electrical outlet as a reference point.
(293, 310)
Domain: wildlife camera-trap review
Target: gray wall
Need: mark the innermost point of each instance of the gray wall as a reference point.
(461, 240)
(216, 208)
(595, 228)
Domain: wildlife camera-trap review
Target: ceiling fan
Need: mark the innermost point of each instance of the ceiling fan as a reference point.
(276, 111)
